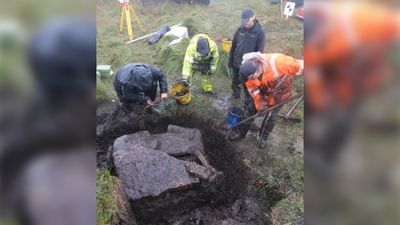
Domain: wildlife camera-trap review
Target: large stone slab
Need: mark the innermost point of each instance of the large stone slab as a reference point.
(159, 180)
(149, 173)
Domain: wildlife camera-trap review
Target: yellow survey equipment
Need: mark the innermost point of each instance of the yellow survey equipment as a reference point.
(126, 12)
(180, 91)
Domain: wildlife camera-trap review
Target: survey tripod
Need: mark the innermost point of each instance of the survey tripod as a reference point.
(127, 9)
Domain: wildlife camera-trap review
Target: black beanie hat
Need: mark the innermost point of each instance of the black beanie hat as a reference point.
(246, 69)
(203, 47)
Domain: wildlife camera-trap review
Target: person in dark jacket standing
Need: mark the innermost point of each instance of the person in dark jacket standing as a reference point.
(137, 83)
(249, 37)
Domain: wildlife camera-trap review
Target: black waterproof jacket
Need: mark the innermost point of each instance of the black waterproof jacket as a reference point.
(245, 41)
(134, 81)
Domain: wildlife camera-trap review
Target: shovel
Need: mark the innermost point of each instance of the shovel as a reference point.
(287, 115)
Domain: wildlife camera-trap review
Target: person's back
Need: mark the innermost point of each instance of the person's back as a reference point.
(137, 83)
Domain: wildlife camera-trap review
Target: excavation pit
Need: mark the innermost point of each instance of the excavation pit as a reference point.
(192, 197)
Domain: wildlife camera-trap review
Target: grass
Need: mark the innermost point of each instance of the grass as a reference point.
(171, 57)
(281, 186)
(106, 204)
(282, 180)
(290, 210)
(104, 88)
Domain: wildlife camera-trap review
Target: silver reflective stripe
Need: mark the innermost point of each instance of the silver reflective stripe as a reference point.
(189, 59)
(347, 23)
(253, 94)
(301, 68)
(196, 55)
(252, 89)
(273, 65)
(186, 74)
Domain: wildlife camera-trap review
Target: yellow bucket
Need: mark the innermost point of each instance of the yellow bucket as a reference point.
(226, 45)
(181, 92)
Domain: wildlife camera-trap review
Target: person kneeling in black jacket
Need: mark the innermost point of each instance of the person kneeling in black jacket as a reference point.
(137, 83)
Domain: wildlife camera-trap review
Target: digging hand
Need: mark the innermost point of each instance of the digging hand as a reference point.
(150, 103)
(163, 96)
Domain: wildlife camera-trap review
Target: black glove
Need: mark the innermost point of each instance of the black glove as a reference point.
(185, 81)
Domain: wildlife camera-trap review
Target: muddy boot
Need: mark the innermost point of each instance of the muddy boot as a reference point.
(262, 142)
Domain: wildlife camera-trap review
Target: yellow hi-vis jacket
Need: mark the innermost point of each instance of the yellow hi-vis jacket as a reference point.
(192, 56)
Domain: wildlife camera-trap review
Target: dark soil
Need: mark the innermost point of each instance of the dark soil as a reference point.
(113, 122)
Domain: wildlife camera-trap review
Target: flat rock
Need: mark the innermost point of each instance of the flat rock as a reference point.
(178, 141)
(174, 145)
(131, 142)
(146, 172)
(183, 143)
(190, 134)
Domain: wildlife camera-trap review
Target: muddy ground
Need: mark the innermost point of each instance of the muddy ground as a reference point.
(114, 122)
(239, 161)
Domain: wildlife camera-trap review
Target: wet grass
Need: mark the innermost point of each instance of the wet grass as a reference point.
(104, 88)
(289, 210)
(106, 205)
(283, 177)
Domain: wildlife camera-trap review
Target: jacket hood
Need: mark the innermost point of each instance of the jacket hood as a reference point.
(142, 78)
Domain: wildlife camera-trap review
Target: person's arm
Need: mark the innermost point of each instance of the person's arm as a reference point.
(187, 62)
(215, 55)
(261, 41)
(253, 87)
(159, 76)
(232, 52)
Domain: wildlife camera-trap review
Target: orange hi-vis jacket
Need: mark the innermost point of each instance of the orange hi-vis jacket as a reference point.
(351, 28)
(352, 25)
(275, 84)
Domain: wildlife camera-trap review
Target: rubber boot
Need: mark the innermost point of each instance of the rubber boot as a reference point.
(206, 84)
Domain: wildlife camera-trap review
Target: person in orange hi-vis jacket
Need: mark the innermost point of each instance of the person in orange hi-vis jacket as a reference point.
(268, 80)
(346, 48)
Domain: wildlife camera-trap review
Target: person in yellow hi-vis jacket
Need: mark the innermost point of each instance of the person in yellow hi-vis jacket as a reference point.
(201, 56)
